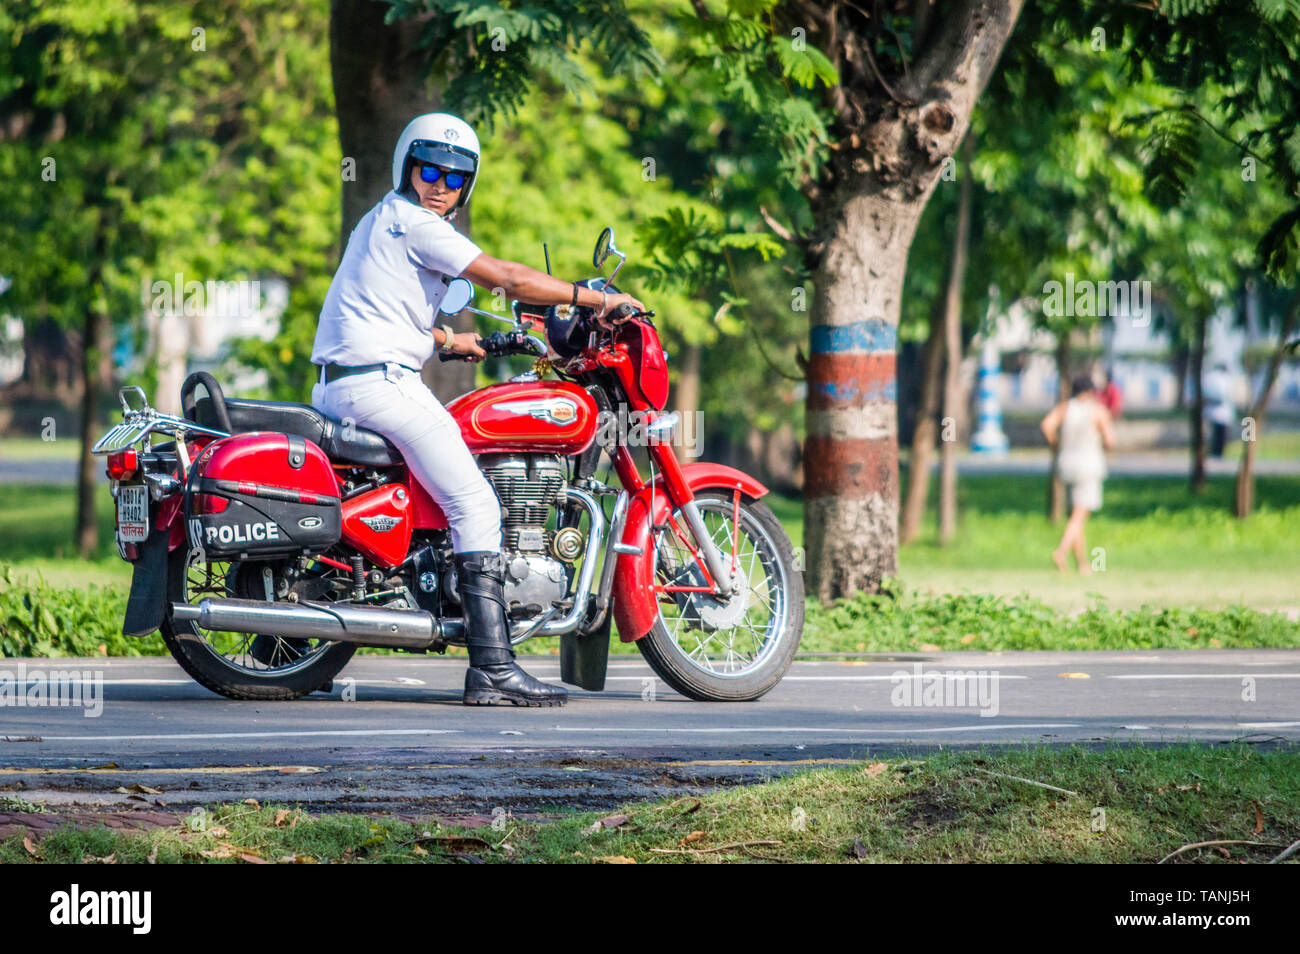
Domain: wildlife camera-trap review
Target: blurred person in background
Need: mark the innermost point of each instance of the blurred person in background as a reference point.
(1216, 387)
(1111, 395)
(1082, 426)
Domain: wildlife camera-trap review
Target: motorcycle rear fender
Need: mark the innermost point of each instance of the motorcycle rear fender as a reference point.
(147, 603)
(635, 605)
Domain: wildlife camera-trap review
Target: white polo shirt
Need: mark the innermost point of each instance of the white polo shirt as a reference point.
(383, 302)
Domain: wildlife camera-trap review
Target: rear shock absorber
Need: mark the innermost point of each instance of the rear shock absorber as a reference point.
(358, 576)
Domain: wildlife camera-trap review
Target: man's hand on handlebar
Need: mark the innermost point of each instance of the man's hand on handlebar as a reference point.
(613, 303)
(466, 344)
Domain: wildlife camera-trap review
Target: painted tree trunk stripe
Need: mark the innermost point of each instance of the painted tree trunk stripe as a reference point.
(870, 421)
(873, 334)
(856, 468)
(851, 379)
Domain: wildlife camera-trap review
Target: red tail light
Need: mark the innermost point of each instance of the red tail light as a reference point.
(122, 465)
(210, 503)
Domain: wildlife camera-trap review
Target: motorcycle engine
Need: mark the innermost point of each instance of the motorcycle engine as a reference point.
(537, 558)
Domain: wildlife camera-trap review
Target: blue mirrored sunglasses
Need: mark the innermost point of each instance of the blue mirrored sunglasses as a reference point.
(432, 174)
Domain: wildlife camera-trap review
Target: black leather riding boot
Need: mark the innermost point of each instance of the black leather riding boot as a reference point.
(493, 675)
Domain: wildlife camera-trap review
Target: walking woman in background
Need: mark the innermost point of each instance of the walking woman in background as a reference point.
(1083, 426)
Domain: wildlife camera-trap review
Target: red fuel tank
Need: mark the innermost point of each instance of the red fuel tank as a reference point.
(378, 523)
(547, 417)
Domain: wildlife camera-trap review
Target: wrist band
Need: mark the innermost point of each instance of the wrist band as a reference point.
(449, 336)
(574, 303)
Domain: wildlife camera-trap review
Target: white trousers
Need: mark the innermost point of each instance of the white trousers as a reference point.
(396, 403)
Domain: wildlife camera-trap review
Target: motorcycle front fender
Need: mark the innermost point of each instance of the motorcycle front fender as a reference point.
(635, 605)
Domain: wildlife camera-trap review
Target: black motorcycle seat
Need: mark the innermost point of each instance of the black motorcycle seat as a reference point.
(353, 445)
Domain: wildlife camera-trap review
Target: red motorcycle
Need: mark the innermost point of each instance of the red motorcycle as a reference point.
(269, 541)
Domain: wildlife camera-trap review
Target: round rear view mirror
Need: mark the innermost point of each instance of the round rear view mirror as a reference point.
(458, 295)
(604, 242)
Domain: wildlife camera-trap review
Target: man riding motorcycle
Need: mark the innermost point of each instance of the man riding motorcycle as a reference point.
(377, 329)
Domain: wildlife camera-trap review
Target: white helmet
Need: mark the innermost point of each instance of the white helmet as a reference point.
(442, 139)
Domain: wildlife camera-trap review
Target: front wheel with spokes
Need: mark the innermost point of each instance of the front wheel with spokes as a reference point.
(733, 650)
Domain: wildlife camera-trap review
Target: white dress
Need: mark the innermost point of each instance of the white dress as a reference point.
(1081, 463)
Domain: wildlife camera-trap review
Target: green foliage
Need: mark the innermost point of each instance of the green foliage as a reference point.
(751, 65)
(1249, 54)
(1092, 162)
(37, 619)
(896, 620)
(494, 52)
(554, 143)
(196, 139)
(1170, 152)
(691, 249)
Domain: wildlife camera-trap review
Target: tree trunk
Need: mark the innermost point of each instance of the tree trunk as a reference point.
(953, 409)
(1244, 498)
(1197, 478)
(96, 374)
(1056, 489)
(923, 434)
(380, 84)
(1181, 360)
(687, 396)
(866, 208)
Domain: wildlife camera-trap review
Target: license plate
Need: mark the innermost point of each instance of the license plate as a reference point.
(132, 512)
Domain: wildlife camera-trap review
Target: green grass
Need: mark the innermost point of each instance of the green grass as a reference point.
(1180, 572)
(1273, 445)
(897, 620)
(37, 525)
(33, 448)
(1129, 805)
(1161, 545)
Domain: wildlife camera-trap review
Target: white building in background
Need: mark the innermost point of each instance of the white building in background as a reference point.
(1140, 357)
(184, 339)
(183, 332)
(12, 358)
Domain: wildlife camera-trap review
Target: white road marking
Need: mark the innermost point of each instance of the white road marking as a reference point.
(111, 682)
(1268, 725)
(955, 675)
(836, 730)
(1209, 675)
(894, 678)
(401, 681)
(245, 735)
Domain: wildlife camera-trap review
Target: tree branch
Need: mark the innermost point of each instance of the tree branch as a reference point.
(777, 227)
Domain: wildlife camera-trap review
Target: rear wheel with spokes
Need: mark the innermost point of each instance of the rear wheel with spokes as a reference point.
(736, 649)
(245, 665)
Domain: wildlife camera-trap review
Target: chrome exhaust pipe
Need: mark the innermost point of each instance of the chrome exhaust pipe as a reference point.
(401, 629)
(341, 622)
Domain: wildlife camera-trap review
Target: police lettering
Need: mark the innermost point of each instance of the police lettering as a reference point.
(244, 533)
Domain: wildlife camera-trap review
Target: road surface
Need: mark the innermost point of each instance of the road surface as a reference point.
(405, 742)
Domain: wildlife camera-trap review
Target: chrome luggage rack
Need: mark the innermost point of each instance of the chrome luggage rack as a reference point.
(140, 423)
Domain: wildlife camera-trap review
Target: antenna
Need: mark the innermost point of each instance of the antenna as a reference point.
(547, 253)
